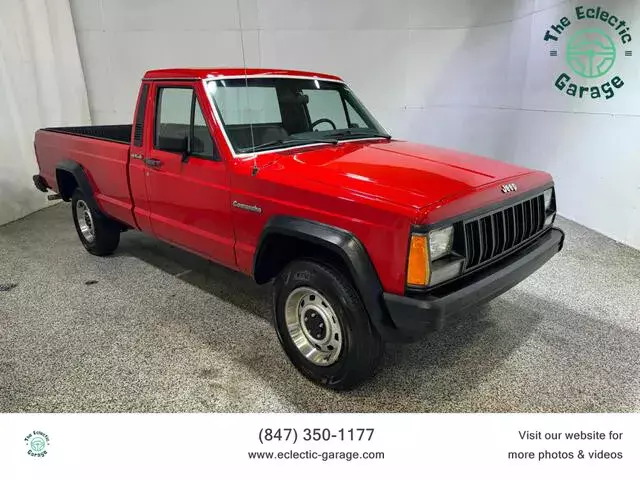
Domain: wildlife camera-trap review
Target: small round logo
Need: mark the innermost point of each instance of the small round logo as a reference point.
(37, 443)
(591, 53)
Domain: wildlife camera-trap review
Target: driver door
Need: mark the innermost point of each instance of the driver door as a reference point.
(187, 180)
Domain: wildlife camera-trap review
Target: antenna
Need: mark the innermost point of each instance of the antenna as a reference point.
(255, 169)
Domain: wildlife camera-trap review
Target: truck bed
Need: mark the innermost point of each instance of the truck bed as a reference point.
(102, 152)
(112, 133)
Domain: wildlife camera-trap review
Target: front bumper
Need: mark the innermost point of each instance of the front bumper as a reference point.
(416, 314)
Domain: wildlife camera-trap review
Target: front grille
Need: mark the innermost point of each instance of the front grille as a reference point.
(496, 233)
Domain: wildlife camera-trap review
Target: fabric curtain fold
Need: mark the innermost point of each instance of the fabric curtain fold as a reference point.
(41, 84)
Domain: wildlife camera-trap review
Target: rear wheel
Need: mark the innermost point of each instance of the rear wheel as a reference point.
(323, 326)
(99, 234)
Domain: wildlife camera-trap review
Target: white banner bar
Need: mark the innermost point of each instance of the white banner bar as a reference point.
(350, 446)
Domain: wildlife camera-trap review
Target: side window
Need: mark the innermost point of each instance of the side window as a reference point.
(142, 108)
(173, 116)
(201, 141)
(326, 104)
(179, 116)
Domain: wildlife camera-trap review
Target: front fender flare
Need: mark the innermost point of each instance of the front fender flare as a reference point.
(346, 245)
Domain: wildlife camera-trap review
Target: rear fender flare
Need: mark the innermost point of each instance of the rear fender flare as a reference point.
(82, 179)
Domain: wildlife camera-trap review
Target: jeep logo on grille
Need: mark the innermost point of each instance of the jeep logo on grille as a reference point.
(509, 187)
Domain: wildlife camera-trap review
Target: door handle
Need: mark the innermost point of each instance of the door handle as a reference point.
(152, 162)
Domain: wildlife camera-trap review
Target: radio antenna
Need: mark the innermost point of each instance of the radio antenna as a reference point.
(255, 169)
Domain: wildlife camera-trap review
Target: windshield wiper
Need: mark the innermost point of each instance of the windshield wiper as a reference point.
(301, 141)
(351, 133)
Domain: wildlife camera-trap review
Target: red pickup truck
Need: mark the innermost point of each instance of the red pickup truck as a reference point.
(285, 176)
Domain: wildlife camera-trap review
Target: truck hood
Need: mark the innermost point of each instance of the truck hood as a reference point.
(403, 173)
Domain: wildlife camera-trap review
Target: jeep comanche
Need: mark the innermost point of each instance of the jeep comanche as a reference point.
(286, 177)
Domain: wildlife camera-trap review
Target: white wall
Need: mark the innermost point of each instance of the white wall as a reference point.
(468, 74)
(591, 148)
(41, 84)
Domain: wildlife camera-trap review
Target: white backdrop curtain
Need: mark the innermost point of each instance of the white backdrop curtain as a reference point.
(41, 84)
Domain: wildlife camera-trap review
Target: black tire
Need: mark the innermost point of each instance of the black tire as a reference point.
(361, 348)
(106, 232)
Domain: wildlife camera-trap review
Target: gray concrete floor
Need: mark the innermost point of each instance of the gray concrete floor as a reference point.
(162, 330)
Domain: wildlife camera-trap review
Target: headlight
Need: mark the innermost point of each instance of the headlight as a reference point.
(548, 194)
(549, 209)
(549, 220)
(440, 242)
(445, 270)
(429, 262)
(418, 265)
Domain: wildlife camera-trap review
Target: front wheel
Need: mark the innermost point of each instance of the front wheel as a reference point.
(323, 327)
(99, 234)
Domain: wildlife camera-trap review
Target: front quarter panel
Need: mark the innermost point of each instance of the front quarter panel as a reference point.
(382, 228)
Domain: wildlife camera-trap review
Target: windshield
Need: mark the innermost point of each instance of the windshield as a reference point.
(260, 114)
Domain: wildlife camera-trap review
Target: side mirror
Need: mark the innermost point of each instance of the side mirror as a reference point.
(176, 145)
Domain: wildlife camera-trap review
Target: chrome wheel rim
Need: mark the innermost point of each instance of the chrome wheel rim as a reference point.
(313, 326)
(85, 221)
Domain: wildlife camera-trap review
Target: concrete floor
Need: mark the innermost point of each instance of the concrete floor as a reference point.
(153, 328)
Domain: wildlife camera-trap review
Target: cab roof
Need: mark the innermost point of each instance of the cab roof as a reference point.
(204, 73)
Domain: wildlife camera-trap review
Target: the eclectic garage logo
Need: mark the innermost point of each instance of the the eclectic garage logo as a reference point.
(591, 52)
(37, 443)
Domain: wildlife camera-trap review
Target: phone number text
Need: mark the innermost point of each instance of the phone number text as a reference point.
(291, 435)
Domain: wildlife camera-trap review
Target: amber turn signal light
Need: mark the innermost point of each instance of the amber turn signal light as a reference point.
(418, 267)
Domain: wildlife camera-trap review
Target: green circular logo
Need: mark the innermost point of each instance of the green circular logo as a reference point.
(38, 443)
(591, 53)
